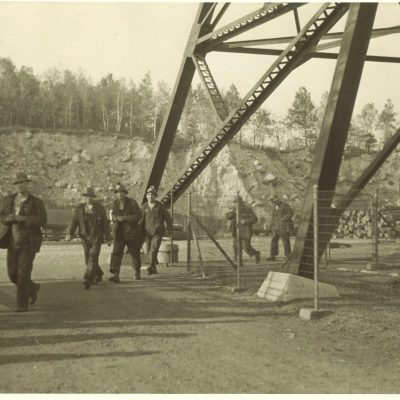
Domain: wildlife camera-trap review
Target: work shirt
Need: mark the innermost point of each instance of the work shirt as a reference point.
(154, 219)
(91, 222)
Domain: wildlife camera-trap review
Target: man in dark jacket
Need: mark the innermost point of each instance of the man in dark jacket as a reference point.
(155, 216)
(281, 226)
(126, 217)
(247, 219)
(91, 220)
(22, 216)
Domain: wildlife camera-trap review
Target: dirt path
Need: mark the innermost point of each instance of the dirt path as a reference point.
(176, 333)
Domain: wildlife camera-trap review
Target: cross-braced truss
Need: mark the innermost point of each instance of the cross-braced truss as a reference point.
(312, 40)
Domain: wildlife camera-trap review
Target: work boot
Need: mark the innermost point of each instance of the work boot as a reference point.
(258, 257)
(151, 270)
(137, 276)
(21, 309)
(114, 278)
(34, 293)
(86, 284)
(272, 258)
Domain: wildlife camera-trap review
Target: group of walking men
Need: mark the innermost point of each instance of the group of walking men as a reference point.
(22, 215)
(281, 226)
(133, 227)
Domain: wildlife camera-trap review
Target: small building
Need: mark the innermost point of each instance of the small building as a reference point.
(57, 223)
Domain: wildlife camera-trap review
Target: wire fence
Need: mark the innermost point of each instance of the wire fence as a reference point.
(354, 229)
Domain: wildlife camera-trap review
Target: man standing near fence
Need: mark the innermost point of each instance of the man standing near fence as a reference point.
(281, 227)
(247, 219)
(22, 216)
(126, 217)
(155, 217)
(91, 220)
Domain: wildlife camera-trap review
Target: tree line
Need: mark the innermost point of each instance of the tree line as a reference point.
(71, 101)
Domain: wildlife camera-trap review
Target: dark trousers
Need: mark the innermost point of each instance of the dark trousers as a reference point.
(285, 237)
(246, 246)
(92, 253)
(133, 246)
(152, 244)
(19, 267)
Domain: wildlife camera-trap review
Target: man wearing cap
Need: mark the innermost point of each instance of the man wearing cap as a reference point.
(247, 219)
(91, 220)
(155, 216)
(281, 224)
(22, 216)
(126, 216)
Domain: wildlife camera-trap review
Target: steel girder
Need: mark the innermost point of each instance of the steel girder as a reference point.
(331, 142)
(293, 56)
(201, 39)
(356, 189)
(326, 56)
(181, 89)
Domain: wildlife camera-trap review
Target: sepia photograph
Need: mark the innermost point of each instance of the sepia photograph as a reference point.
(199, 198)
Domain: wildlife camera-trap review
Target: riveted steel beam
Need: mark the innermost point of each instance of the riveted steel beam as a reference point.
(379, 32)
(241, 25)
(296, 52)
(332, 139)
(357, 187)
(175, 107)
(325, 56)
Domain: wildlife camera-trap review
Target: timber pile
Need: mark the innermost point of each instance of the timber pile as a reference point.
(358, 224)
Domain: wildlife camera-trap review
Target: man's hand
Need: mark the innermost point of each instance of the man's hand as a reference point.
(10, 219)
(117, 219)
(243, 221)
(68, 238)
(20, 218)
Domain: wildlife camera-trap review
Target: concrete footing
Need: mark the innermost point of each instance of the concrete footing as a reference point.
(280, 286)
(310, 313)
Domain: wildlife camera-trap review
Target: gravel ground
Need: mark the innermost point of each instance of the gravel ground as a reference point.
(175, 332)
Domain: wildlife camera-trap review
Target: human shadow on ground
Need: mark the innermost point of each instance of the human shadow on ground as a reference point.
(36, 340)
(66, 305)
(45, 357)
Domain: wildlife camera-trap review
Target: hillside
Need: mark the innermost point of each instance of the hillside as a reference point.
(62, 165)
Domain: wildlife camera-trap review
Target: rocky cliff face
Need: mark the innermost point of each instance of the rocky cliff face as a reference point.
(63, 165)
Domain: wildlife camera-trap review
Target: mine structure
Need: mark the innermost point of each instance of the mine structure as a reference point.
(312, 40)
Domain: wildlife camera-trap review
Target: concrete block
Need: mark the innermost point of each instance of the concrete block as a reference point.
(280, 286)
(311, 314)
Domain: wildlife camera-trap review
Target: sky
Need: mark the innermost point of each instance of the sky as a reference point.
(129, 39)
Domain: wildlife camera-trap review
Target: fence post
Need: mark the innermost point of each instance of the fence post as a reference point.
(238, 241)
(375, 226)
(171, 260)
(188, 229)
(316, 266)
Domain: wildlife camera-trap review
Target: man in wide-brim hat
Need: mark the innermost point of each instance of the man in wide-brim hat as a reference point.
(22, 215)
(281, 226)
(126, 216)
(155, 217)
(90, 218)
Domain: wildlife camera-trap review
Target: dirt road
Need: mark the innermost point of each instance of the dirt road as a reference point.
(177, 333)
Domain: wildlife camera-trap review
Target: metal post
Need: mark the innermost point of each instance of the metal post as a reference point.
(171, 259)
(376, 230)
(238, 241)
(188, 228)
(316, 258)
(203, 274)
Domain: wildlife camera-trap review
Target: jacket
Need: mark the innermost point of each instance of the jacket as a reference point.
(100, 229)
(153, 219)
(247, 219)
(129, 227)
(281, 219)
(27, 231)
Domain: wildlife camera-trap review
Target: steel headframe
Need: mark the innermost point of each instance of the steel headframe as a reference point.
(305, 45)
